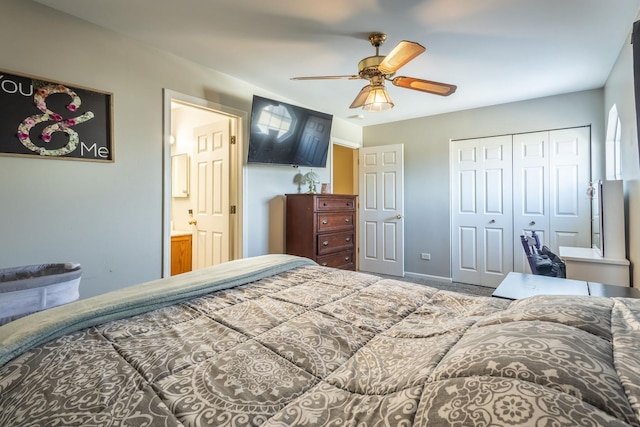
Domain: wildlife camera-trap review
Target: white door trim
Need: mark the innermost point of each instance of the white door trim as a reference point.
(238, 118)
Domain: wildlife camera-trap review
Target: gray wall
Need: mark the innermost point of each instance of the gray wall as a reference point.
(619, 91)
(108, 216)
(426, 145)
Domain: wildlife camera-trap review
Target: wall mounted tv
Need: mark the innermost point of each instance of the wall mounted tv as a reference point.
(286, 134)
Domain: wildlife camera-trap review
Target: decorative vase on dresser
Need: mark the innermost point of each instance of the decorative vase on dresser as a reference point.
(322, 227)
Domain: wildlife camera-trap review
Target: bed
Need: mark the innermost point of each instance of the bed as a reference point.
(277, 340)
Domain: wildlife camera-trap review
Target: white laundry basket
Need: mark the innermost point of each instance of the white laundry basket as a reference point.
(31, 288)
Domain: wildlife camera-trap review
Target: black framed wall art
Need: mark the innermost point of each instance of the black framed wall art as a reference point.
(50, 119)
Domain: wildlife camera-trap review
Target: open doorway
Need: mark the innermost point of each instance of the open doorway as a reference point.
(344, 167)
(202, 208)
(344, 176)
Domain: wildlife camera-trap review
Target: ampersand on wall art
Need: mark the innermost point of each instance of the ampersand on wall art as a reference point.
(59, 123)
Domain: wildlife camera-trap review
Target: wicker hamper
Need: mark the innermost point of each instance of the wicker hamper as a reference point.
(31, 288)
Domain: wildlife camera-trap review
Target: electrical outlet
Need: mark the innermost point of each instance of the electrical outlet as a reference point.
(425, 256)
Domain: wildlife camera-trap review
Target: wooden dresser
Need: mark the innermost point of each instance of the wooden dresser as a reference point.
(322, 227)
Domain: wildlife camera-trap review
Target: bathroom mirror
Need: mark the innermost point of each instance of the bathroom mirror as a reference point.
(180, 175)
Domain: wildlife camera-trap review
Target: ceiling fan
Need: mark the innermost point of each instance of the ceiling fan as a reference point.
(377, 69)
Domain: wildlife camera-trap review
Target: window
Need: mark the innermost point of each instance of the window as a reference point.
(612, 147)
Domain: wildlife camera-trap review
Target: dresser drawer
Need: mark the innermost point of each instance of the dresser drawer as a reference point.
(328, 243)
(335, 203)
(340, 260)
(335, 221)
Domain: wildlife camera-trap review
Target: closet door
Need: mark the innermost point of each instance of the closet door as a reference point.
(551, 171)
(482, 221)
(570, 172)
(530, 192)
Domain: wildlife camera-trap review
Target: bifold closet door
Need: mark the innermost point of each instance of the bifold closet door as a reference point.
(482, 221)
(530, 192)
(551, 171)
(570, 172)
(546, 175)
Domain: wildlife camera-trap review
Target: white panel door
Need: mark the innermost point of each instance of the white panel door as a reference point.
(570, 172)
(465, 170)
(381, 201)
(530, 192)
(211, 160)
(551, 174)
(482, 220)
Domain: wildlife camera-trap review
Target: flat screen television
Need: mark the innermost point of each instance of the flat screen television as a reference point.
(286, 134)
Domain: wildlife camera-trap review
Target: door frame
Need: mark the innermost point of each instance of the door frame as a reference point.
(238, 119)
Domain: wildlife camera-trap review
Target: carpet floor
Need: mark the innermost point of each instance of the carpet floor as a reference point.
(453, 287)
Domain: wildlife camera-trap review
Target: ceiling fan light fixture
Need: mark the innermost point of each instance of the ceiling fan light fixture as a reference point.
(376, 69)
(378, 100)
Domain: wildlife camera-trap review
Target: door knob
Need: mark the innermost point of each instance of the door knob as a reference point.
(399, 216)
(493, 221)
(532, 223)
(191, 220)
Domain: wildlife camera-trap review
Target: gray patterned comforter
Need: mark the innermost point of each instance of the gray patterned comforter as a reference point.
(313, 346)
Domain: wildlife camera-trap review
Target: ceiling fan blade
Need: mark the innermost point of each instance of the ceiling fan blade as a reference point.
(428, 86)
(325, 77)
(362, 97)
(401, 54)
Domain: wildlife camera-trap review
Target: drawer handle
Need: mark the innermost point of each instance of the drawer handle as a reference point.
(324, 221)
(348, 239)
(347, 220)
(347, 258)
(325, 243)
(324, 264)
(324, 204)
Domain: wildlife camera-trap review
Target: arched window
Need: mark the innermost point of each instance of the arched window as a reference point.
(612, 147)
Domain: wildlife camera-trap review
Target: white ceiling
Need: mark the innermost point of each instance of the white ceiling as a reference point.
(495, 51)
